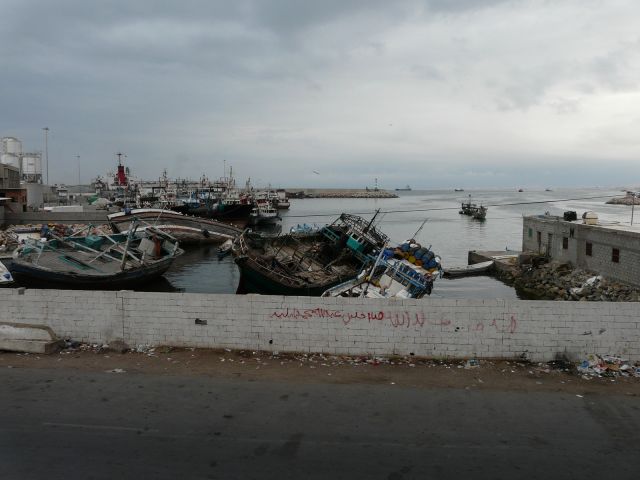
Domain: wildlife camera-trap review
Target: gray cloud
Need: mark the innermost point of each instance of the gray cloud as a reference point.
(356, 89)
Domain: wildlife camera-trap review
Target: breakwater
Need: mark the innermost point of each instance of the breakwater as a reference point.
(626, 200)
(339, 193)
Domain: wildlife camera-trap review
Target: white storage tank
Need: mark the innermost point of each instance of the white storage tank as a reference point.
(590, 218)
(10, 159)
(11, 145)
(31, 164)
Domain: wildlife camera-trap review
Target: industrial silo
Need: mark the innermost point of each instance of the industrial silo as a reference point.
(12, 146)
(32, 167)
(10, 159)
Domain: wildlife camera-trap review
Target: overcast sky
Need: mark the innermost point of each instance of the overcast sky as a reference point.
(434, 93)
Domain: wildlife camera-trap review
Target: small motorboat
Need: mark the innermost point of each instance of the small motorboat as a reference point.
(225, 249)
(475, 269)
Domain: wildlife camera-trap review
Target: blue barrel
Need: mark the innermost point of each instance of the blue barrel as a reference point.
(431, 264)
(420, 253)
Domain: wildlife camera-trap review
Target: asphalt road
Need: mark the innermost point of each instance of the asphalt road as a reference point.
(57, 424)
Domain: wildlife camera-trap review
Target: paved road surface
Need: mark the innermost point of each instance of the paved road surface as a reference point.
(57, 424)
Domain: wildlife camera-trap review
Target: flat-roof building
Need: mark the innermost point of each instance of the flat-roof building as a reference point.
(610, 249)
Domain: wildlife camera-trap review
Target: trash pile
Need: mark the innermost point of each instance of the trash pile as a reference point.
(608, 366)
(8, 241)
(593, 366)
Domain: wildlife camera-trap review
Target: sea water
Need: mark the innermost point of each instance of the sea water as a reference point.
(450, 234)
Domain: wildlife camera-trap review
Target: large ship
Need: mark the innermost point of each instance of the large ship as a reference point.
(407, 188)
(221, 201)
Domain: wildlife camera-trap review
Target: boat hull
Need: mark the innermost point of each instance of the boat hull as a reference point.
(187, 230)
(252, 280)
(474, 269)
(228, 213)
(28, 275)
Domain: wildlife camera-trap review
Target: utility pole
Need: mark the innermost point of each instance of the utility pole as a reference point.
(633, 204)
(46, 150)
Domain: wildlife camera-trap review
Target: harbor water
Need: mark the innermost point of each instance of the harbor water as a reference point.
(449, 234)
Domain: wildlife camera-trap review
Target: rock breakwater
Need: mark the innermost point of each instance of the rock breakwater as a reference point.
(560, 281)
(342, 193)
(628, 199)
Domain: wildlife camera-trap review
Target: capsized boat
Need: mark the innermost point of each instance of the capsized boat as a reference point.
(184, 228)
(96, 262)
(307, 264)
(391, 276)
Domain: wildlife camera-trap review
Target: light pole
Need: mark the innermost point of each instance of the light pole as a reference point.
(78, 157)
(46, 150)
(633, 204)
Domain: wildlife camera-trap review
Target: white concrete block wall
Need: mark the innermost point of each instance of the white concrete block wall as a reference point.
(430, 327)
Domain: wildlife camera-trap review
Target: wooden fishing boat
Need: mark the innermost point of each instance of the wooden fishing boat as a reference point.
(96, 262)
(309, 264)
(473, 210)
(184, 228)
(479, 213)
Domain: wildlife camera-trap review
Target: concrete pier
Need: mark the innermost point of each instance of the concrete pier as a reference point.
(504, 260)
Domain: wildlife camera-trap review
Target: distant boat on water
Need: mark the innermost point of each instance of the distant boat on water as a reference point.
(458, 189)
(473, 210)
(407, 188)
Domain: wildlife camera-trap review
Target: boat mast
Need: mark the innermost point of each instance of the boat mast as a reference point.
(366, 229)
(420, 229)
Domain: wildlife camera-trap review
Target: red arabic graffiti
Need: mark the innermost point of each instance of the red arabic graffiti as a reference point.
(511, 327)
(396, 319)
(309, 313)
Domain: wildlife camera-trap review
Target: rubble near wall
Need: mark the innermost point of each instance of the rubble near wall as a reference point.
(554, 280)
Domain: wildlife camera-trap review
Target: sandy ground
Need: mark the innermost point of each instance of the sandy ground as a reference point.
(327, 369)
